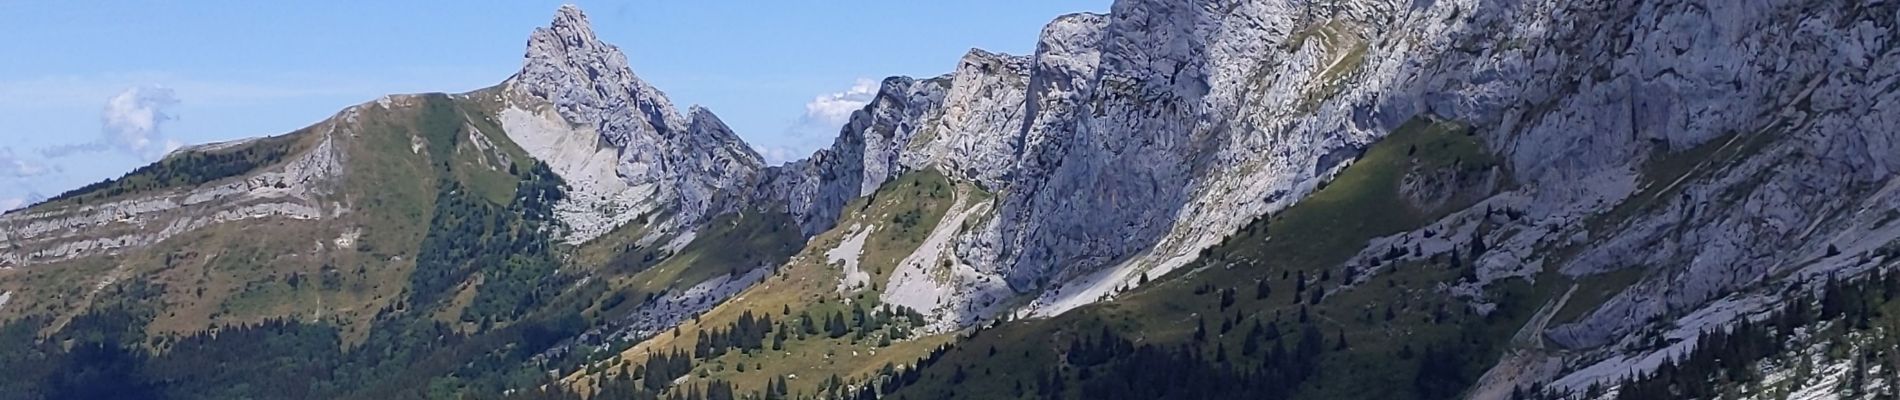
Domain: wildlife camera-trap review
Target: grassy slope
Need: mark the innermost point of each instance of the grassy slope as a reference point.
(614, 246)
(807, 285)
(1315, 235)
(738, 242)
(905, 210)
(58, 291)
(256, 270)
(730, 243)
(192, 168)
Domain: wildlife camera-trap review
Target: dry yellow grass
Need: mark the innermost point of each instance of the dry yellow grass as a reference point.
(807, 283)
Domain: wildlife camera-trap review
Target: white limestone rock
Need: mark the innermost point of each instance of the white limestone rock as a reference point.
(691, 167)
(294, 189)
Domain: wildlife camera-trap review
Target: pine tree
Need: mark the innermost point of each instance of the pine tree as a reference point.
(1833, 300)
(702, 347)
(1200, 330)
(1311, 343)
(1251, 345)
(1477, 245)
(835, 326)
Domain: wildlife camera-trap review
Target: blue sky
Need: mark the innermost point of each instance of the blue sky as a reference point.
(89, 91)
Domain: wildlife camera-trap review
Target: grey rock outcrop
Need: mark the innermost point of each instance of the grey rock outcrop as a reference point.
(299, 188)
(1129, 141)
(866, 153)
(977, 132)
(1151, 132)
(691, 167)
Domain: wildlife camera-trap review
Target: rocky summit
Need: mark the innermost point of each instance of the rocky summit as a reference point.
(1528, 199)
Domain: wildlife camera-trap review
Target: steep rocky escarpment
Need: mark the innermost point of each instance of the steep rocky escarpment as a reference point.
(1633, 173)
(1131, 140)
(289, 176)
(1716, 148)
(691, 167)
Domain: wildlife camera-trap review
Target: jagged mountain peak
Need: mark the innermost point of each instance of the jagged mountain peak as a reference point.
(569, 40)
(588, 79)
(570, 17)
(650, 157)
(571, 26)
(706, 127)
(1466, 166)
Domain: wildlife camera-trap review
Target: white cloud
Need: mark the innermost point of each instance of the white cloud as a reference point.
(16, 175)
(835, 109)
(819, 125)
(132, 118)
(133, 122)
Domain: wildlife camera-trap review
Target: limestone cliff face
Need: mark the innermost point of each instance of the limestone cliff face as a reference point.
(688, 167)
(300, 188)
(1791, 102)
(1133, 139)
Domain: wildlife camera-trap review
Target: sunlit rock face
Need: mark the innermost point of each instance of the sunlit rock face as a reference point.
(690, 167)
(1129, 141)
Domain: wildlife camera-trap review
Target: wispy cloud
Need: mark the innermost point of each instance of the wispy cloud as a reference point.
(13, 166)
(17, 173)
(133, 122)
(834, 109)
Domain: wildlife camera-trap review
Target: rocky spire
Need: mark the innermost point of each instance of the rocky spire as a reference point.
(567, 64)
(688, 161)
